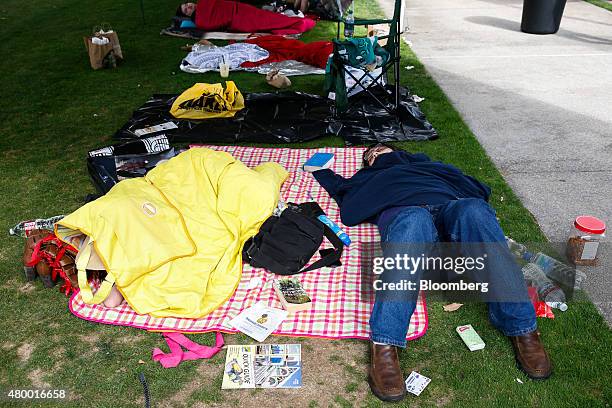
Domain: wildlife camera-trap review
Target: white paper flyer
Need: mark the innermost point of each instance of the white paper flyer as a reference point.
(259, 320)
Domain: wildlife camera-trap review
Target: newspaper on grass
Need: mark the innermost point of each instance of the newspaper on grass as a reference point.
(263, 366)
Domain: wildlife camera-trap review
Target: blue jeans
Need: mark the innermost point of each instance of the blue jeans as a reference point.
(464, 220)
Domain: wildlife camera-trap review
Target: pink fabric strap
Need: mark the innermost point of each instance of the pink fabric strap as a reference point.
(176, 343)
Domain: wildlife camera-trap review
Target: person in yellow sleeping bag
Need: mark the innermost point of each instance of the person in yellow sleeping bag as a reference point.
(171, 241)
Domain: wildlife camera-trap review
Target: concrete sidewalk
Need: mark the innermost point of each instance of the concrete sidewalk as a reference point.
(540, 105)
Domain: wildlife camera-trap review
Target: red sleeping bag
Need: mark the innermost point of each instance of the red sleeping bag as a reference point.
(281, 49)
(236, 17)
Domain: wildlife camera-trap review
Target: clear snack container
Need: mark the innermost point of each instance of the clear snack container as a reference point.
(583, 242)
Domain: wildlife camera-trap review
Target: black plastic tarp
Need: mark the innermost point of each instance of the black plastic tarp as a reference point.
(288, 117)
(367, 122)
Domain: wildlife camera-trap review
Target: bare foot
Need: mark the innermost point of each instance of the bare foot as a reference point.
(114, 298)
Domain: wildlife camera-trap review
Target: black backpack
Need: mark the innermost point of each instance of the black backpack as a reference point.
(285, 243)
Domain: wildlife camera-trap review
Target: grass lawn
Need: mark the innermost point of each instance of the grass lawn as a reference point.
(55, 108)
(602, 3)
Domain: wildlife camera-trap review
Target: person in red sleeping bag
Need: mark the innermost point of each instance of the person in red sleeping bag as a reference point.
(233, 16)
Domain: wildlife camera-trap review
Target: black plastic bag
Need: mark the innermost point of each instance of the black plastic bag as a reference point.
(276, 117)
(367, 122)
(288, 117)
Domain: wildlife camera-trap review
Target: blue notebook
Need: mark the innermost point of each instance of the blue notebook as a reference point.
(319, 161)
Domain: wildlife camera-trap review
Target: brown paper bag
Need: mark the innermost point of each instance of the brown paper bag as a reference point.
(97, 53)
(106, 30)
(114, 40)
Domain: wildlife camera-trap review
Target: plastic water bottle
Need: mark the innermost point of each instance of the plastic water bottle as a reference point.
(552, 268)
(349, 19)
(336, 229)
(547, 290)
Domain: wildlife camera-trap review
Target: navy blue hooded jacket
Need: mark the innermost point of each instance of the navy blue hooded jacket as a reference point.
(398, 179)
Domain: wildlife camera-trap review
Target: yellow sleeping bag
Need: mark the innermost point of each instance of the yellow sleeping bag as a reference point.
(206, 101)
(172, 240)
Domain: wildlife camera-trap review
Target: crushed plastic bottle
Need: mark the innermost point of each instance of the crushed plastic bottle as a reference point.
(552, 268)
(547, 290)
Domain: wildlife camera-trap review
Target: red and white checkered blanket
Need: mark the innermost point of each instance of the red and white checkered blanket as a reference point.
(342, 296)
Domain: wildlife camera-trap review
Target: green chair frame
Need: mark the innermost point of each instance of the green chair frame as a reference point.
(392, 47)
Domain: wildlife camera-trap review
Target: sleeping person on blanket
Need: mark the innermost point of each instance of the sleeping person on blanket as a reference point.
(236, 17)
(417, 202)
(326, 9)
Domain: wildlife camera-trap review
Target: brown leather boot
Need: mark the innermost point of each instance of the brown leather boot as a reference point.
(386, 379)
(531, 356)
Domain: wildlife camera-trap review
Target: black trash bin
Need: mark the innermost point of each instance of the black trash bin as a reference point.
(542, 16)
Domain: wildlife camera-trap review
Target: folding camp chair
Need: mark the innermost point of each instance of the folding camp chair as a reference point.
(392, 47)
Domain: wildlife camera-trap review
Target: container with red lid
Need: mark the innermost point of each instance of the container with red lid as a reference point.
(584, 239)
